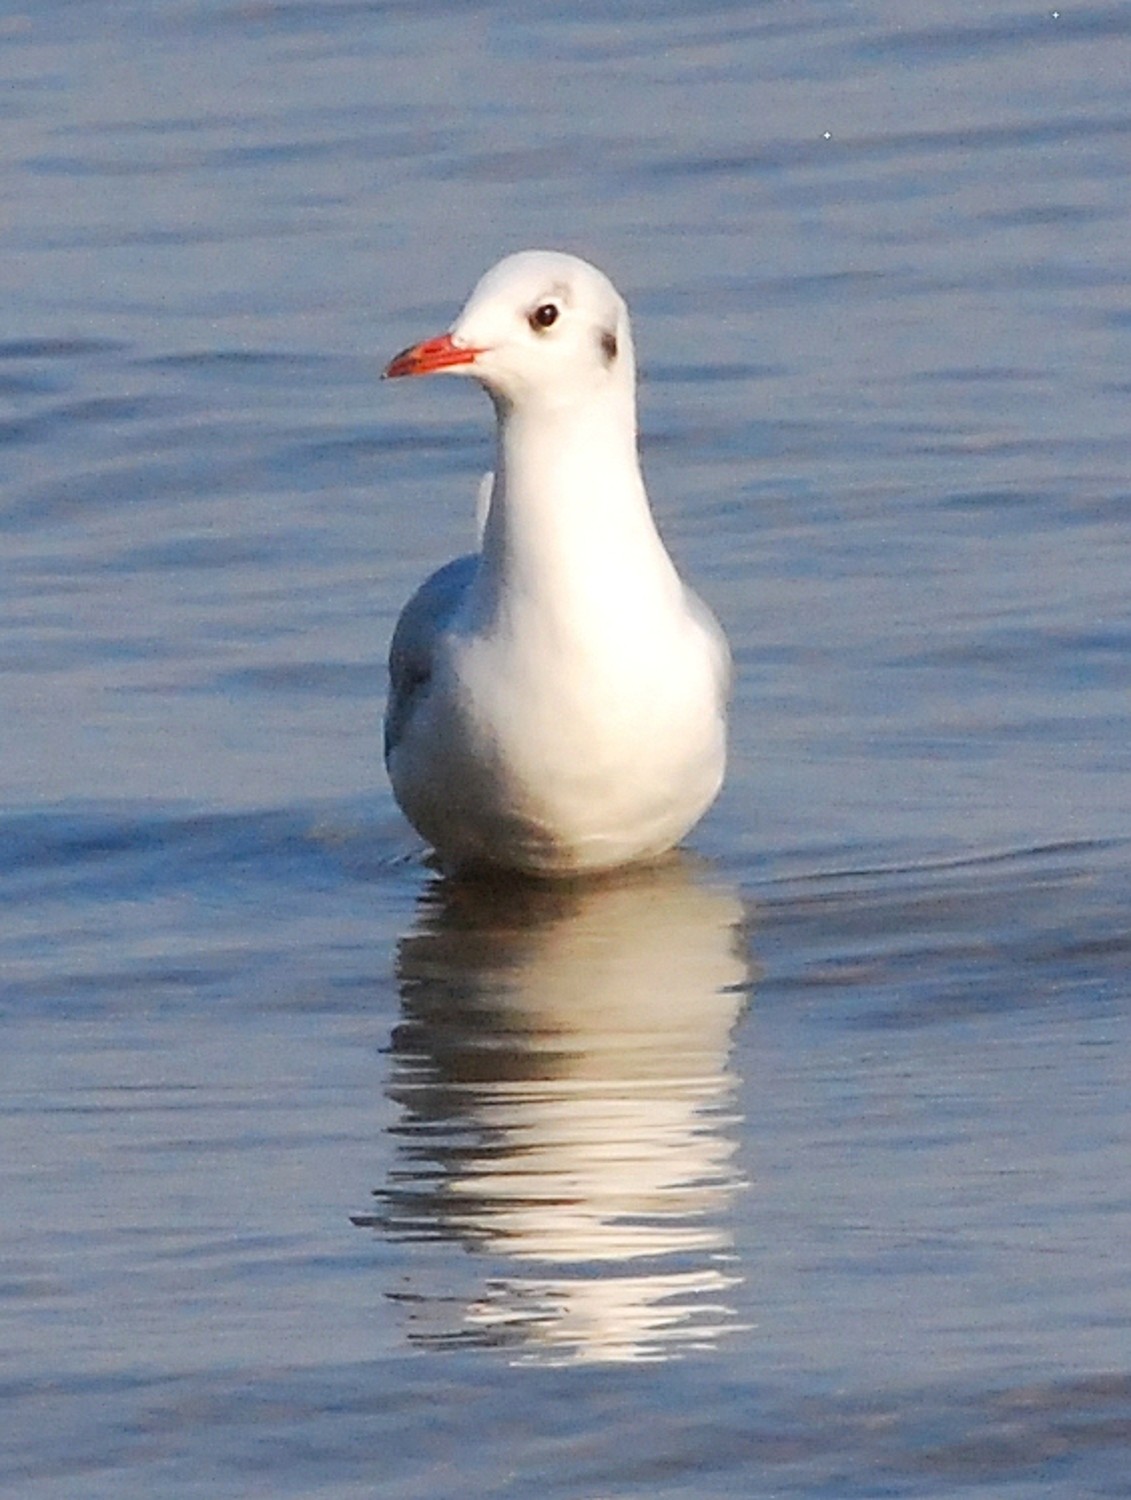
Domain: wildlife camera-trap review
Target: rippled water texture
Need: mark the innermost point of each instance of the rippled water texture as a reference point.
(798, 1166)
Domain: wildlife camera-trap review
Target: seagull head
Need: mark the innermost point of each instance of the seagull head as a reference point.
(541, 329)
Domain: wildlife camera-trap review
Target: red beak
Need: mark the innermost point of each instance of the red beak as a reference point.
(433, 354)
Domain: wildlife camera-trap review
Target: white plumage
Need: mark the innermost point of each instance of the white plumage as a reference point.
(557, 700)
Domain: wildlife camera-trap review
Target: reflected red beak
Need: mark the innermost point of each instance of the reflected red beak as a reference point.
(433, 354)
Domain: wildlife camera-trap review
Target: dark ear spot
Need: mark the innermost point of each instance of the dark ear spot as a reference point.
(608, 343)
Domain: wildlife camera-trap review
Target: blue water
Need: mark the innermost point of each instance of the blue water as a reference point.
(797, 1167)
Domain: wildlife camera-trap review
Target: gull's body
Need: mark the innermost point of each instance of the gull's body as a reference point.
(557, 700)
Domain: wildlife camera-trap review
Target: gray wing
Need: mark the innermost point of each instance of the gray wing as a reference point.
(422, 620)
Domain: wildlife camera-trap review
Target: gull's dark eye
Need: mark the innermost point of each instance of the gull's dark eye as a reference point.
(544, 316)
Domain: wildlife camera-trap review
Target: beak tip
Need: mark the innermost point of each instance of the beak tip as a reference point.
(403, 363)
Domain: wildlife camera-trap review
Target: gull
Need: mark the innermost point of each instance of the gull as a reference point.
(557, 699)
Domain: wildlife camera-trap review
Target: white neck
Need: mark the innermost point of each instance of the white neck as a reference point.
(569, 530)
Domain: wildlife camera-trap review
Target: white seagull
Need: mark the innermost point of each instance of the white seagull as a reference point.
(558, 699)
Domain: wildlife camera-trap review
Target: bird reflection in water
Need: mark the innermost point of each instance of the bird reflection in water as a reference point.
(566, 1111)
